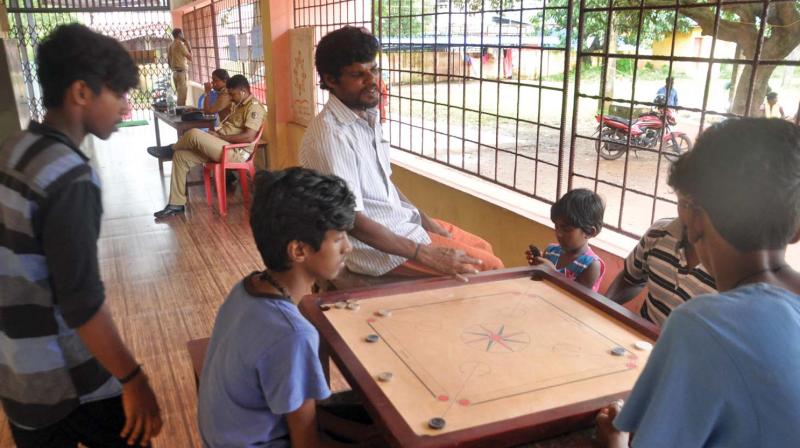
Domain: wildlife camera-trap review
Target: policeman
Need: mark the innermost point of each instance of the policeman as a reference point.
(196, 147)
(178, 54)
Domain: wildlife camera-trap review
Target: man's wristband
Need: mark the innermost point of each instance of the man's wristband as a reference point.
(416, 252)
(134, 373)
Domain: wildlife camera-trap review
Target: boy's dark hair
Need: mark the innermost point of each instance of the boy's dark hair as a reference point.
(580, 208)
(343, 47)
(772, 95)
(297, 204)
(221, 74)
(176, 32)
(237, 82)
(745, 174)
(74, 52)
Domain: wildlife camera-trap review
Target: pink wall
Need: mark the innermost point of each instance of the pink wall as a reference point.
(281, 21)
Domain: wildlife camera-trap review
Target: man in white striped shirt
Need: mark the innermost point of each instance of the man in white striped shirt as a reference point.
(345, 139)
(666, 262)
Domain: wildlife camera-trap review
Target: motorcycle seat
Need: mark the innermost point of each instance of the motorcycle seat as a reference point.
(624, 121)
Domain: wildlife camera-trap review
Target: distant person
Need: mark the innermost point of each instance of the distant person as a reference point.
(66, 376)
(724, 370)
(216, 99)
(578, 217)
(178, 53)
(669, 92)
(771, 108)
(196, 147)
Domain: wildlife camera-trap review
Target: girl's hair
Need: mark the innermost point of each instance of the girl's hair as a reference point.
(580, 208)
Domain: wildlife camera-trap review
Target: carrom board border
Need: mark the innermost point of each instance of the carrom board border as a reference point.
(509, 432)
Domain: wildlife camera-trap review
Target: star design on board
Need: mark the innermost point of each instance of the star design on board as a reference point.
(499, 339)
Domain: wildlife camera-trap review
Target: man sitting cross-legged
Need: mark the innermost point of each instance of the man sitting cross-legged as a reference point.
(390, 234)
(196, 146)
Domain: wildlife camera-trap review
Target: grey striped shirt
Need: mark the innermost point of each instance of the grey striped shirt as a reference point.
(660, 261)
(341, 142)
(50, 283)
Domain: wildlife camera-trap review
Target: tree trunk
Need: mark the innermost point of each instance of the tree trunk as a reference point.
(734, 77)
(611, 71)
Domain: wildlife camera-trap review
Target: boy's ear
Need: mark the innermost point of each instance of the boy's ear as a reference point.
(297, 251)
(696, 222)
(79, 93)
(593, 233)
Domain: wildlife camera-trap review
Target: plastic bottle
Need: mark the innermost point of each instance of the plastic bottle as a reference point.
(171, 103)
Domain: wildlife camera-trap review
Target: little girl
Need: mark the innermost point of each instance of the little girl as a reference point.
(577, 216)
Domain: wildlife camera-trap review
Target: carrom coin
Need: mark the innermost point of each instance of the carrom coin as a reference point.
(436, 423)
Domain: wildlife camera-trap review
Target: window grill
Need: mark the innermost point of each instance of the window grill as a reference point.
(142, 26)
(512, 90)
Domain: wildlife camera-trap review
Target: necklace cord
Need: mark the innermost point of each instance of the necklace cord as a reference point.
(774, 270)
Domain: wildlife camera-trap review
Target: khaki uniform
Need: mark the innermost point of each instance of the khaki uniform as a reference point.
(221, 96)
(196, 146)
(176, 56)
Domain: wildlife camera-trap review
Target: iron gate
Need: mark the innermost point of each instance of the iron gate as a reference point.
(144, 27)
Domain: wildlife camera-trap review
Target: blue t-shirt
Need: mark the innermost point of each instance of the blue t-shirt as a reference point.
(724, 373)
(262, 363)
(672, 101)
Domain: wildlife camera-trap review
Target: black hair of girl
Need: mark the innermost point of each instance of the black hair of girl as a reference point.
(580, 208)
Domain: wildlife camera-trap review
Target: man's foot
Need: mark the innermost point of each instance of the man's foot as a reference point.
(161, 152)
(169, 210)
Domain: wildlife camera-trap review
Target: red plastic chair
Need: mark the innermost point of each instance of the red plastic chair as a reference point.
(219, 173)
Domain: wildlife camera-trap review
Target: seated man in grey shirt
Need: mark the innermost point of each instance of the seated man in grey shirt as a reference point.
(345, 139)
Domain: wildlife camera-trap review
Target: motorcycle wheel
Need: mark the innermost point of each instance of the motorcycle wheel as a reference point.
(677, 146)
(606, 145)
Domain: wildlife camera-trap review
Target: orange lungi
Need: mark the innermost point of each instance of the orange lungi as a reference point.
(472, 245)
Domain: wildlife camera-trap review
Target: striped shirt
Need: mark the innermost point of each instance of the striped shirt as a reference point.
(659, 260)
(341, 142)
(49, 278)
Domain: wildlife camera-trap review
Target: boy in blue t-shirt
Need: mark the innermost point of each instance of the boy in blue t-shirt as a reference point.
(725, 369)
(262, 374)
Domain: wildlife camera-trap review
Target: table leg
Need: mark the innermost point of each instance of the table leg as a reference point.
(158, 134)
(325, 360)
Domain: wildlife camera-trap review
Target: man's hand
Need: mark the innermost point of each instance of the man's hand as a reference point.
(142, 415)
(607, 434)
(207, 87)
(432, 226)
(448, 261)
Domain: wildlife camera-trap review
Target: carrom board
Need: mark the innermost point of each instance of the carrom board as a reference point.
(503, 359)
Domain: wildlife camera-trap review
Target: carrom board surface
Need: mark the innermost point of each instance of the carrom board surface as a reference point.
(481, 353)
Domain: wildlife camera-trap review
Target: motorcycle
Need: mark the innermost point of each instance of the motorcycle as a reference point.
(648, 131)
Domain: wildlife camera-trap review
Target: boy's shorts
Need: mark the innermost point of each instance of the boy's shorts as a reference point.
(342, 417)
(97, 423)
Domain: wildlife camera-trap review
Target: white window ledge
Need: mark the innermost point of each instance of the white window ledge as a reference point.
(525, 206)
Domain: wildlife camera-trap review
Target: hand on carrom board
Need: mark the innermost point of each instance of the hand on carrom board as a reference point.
(607, 434)
(448, 261)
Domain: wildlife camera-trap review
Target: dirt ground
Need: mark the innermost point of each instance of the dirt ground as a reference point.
(524, 154)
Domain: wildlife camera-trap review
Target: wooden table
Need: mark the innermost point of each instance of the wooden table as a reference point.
(180, 126)
(504, 360)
